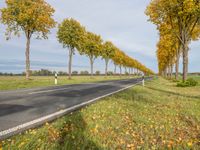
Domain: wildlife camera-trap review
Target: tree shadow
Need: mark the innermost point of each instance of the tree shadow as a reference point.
(74, 136)
(7, 109)
(172, 93)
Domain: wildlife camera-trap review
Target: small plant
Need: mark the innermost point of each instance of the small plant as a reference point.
(188, 83)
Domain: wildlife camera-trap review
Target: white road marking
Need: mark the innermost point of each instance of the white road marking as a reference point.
(47, 91)
(64, 111)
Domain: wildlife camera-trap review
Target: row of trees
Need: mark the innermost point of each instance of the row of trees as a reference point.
(34, 17)
(178, 23)
(75, 37)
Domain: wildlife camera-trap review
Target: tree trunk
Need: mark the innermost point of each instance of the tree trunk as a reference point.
(106, 67)
(165, 73)
(177, 65)
(91, 64)
(185, 62)
(115, 70)
(27, 53)
(135, 72)
(171, 71)
(120, 67)
(70, 63)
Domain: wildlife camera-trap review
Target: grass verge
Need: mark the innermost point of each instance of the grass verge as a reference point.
(157, 116)
(19, 82)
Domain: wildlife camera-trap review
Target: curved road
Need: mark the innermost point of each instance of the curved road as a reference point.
(25, 109)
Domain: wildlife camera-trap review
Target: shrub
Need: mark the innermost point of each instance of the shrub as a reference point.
(192, 82)
(174, 80)
(97, 72)
(126, 73)
(188, 83)
(75, 72)
(182, 84)
(110, 73)
(84, 72)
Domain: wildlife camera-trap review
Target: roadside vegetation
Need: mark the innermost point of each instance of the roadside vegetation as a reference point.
(19, 82)
(157, 116)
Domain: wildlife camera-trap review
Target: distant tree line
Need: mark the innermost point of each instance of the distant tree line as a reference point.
(46, 72)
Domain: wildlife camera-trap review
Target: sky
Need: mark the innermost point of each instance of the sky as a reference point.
(121, 21)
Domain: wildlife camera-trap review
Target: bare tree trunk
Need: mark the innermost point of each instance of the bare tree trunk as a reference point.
(27, 53)
(135, 72)
(120, 67)
(70, 63)
(168, 74)
(165, 73)
(171, 71)
(115, 69)
(185, 43)
(91, 64)
(106, 67)
(177, 66)
(185, 62)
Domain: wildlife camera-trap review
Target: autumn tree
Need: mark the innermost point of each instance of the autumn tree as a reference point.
(184, 18)
(29, 16)
(166, 32)
(107, 53)
(166, 54)
(118, 59)
(91, 46)
(70, 34)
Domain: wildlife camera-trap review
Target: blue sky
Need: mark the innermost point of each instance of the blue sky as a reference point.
(121, 21)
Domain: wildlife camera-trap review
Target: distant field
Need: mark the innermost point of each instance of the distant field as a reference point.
(18, 82)
(158, 116)
(195, 77)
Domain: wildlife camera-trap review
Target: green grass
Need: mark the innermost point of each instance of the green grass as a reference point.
(19, 82)
(195, 77)
(158, 116)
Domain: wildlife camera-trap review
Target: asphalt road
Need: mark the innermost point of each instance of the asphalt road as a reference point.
(28, 108)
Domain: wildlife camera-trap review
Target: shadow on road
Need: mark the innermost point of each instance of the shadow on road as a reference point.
(6, 109)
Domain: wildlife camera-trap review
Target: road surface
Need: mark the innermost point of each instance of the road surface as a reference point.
(28, 108)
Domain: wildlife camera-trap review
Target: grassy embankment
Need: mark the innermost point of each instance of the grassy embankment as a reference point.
(159, 116)
(18, 82)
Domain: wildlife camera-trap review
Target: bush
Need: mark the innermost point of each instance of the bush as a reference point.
(84, 72)
(97, 72)
(188, 83)
(110, 73)
(75, 72)
(192, 82)
(182, 84)
(126, 73)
